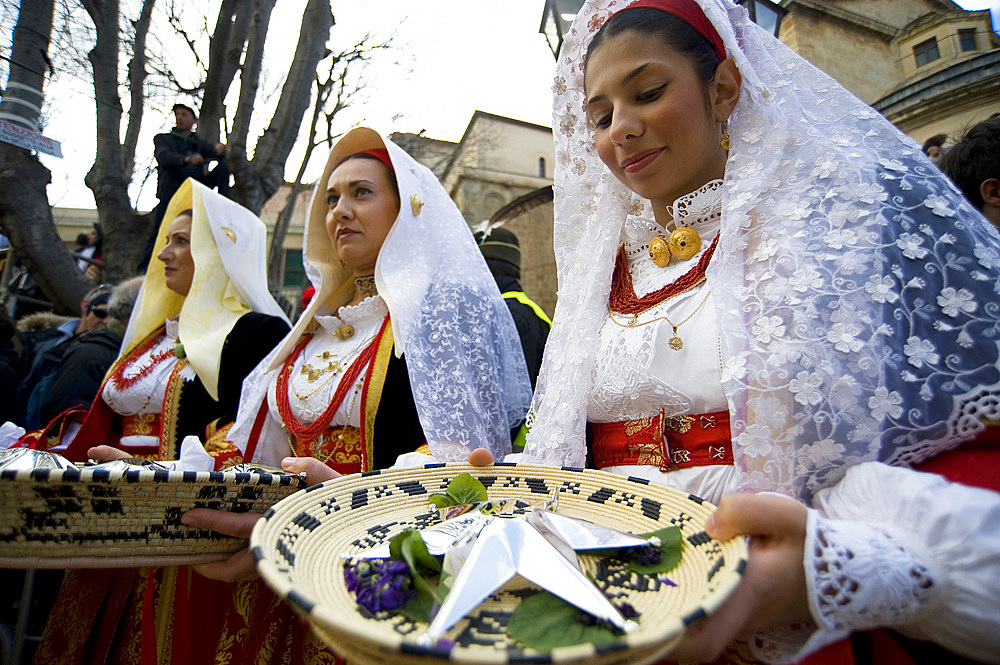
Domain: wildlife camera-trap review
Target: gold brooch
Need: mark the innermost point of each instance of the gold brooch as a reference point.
(416, 204)
(344, 331)
(659, 253)
(683, 243)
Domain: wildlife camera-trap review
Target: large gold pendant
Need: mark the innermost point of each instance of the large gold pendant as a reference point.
(675, 342)
(659, 252)
(684, 243)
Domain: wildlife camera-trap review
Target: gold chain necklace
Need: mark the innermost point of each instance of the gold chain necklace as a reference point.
(675, 342)
(333, 368)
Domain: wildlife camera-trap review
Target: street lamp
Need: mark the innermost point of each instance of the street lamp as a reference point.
(557, 16)
(765, 13)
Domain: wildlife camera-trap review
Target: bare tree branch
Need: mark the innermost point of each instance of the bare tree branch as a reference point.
(136, 79)
(254, 185)
(174, 19)
(250, 77)
(106, 177)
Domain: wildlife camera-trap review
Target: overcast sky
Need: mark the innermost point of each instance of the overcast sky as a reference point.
(451, 57)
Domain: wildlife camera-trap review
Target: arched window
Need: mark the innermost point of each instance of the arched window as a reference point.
(541, 167)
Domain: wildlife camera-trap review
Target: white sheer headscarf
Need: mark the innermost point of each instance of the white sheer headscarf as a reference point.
(228, 246)
(465, 364)
(856, 290)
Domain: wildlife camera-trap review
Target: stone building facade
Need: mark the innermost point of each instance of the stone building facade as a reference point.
(929, 66)
(499, 160)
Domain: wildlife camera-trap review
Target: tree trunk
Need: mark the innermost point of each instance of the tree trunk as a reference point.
(25, 215)
(256, 181)
(125, 231)
(136, 84)
(224, 51)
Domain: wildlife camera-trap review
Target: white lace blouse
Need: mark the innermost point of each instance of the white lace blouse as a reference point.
(138, 396)
(328, 358)
(636, 372)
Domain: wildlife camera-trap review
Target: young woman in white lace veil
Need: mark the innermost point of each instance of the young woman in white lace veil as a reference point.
(849, 312)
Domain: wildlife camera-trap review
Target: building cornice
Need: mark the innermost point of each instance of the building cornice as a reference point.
(854, 20)
(944, 92)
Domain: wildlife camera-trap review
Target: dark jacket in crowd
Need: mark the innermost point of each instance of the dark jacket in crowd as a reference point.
(170, 149)
(532, 330)
(81, 372)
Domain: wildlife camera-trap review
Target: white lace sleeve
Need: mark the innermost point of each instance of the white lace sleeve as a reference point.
(891, 547)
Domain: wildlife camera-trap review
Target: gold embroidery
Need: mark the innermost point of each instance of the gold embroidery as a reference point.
(678, 424)
(632, 427)
(142, 424)
(646, 453)
(168, 419)
(341, 445)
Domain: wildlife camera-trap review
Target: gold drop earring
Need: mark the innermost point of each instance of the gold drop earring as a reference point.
(724, 141)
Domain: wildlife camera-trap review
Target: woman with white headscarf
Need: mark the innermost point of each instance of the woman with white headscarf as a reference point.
(406, 340)
(765, 286)
(203, 320)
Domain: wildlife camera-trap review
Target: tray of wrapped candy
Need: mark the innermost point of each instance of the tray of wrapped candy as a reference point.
(500, 564)
(123, 513)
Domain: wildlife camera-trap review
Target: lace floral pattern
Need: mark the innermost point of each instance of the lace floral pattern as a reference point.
(855, 289)
(859, 577)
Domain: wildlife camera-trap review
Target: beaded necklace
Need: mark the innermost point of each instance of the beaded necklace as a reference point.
(122, 382)
(623, 299)
(305, 433)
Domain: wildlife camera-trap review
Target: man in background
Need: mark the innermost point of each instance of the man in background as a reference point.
(502, 252)
(973, 164)
(182, 154)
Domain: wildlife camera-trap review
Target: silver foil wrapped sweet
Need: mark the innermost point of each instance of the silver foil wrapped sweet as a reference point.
(29, 459)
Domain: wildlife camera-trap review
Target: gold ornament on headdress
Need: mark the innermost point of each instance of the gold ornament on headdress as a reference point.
(416, 204)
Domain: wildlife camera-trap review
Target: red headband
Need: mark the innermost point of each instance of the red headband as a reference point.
(381, 154)
(690, 13)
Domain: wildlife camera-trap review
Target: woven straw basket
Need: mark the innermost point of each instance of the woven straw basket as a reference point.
(95, 518)
(298, 547)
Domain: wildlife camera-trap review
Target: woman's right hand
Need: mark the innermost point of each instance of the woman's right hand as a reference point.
(316, 472)
(240, 566)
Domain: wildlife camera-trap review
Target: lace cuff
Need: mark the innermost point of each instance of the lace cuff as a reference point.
(858, 577)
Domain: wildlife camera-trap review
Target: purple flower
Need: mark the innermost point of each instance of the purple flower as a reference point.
(379, 585)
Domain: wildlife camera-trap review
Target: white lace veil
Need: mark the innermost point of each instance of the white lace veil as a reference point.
(466, 368)
(856, 290)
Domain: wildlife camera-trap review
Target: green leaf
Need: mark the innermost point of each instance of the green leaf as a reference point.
(442, 500)
(415, 553)
(466, 489)
(670, 552)
(444, 586)
(417, 608)
(545, 622)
